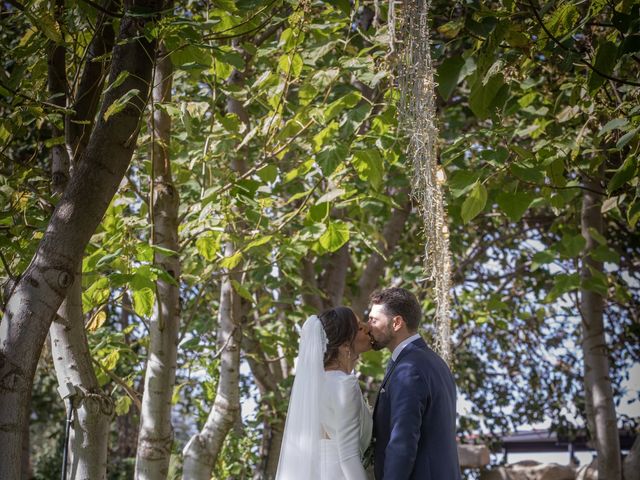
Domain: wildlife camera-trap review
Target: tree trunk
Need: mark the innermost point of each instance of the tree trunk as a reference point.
(601, 414)
(44, 285)
(93, 409)
(374, 268)
(202, 450)
(70, 350)
(267, 380)
(156, 432)
(631, 465)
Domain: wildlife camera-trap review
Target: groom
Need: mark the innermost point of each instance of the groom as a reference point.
(415, 412)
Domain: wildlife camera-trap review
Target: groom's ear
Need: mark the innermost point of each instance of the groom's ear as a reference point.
(397, 322)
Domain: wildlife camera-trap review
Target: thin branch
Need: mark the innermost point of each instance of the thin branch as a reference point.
(582, 60)
(103, 10)
(5, 264)
(130, 391)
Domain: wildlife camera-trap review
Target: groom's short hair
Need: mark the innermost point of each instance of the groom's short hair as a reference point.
(398, 301)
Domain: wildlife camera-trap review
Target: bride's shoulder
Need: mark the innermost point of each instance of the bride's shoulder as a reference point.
(338, 380)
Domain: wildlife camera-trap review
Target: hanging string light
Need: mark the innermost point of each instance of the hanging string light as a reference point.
(410, 39)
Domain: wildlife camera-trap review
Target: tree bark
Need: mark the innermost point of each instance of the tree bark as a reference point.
(267, 380)
(156, 432)
(44, 285)
(202, 450)
(601, 414)
(374, 268)
(69, 347)
(631, 466)
(78, 124)
(334, 277)
(93, 409)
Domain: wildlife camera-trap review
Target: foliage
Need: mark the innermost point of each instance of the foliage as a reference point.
(301, 95)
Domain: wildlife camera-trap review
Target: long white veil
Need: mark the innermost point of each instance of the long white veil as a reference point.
(300, 452)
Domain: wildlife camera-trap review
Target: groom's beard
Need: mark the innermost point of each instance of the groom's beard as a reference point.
(381, 342)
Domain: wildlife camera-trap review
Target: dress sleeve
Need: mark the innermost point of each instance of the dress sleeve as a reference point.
(348, 405)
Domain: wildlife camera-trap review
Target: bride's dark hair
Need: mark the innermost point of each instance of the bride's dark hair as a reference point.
(341, 326)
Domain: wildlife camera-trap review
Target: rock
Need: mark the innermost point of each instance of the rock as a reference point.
(473, 456)
(588, 472)
(531, 470)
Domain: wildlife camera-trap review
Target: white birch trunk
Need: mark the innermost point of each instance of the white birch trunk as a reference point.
(202, 450)
(601, 414)
(93, 409)
(156, 432)
(41, 289)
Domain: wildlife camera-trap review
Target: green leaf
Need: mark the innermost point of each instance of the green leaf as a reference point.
(192, 56)
(336, 235)
(143, 300)
(232, 261)
(268, 173)
(242, 291)
(369, 165)
(633, 213)
(49, 26)
(606, 59)
(527, 173)
(349, 100)
(563, 283)
(514, 204)
(291, 65)
(597, 236)
(596, 282)
(571, 246)
(541, 258)
(258, 242)
(474, 203)
(449, 75)
(626, 172)
(332, 156)
(208, 246)
(615, 124)
(461, 181)
(626, 138)
(482, 96)
(123, 404)
(452, 28)
(110, 362)
(120, 104)
(602, 253)
(319, 212)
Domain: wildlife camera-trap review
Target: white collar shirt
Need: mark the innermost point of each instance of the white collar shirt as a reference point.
(401, 345)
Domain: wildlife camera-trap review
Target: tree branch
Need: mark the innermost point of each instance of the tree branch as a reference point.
(573, 50)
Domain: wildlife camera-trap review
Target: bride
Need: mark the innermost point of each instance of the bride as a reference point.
(328, 423)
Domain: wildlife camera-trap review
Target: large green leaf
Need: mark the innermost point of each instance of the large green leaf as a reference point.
(330, 157)
(514, 204)
(484, 95)
(143, 300)
(349, 100)
(626, 172)
(563, 283)
(369, 165)
(449, 75)
(606, 59)
(474, 203)
(336, 235)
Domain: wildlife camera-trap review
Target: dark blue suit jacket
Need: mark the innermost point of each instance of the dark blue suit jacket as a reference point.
(415, 419)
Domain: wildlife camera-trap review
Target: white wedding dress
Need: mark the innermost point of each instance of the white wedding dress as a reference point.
(346, 426)
(328, 424)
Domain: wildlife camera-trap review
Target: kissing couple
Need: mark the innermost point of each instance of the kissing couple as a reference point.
(329, 428)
